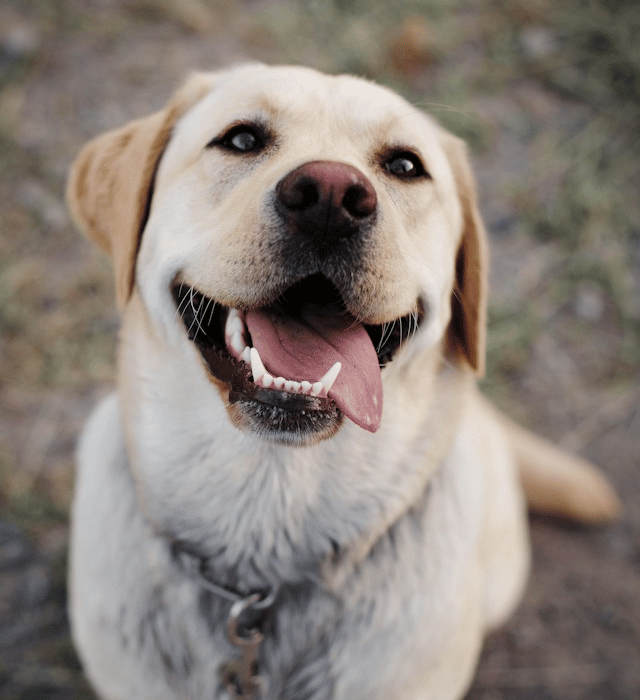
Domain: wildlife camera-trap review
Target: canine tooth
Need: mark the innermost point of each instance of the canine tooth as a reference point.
(305, 387)
(237, 342)
(267, 380)
(278, 382)
(257, 368)
(234, 323)
(330, 377)
(316, 388)
(245, 355)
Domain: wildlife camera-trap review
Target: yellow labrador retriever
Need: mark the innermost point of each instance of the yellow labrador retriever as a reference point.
(296, 491)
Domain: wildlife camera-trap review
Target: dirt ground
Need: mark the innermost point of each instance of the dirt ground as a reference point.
(549, 102)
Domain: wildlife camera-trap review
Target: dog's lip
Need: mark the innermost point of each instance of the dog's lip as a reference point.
(223, 338)
(205, 322)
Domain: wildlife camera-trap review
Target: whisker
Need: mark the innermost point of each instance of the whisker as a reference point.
(184, 301)
(206, 307)
(213, 308)
(413, 324)
(387, 331)
(200, 314)
(189, 298)
(196, 312)
(382, 334)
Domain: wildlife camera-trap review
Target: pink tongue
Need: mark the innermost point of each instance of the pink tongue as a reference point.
(306, 348)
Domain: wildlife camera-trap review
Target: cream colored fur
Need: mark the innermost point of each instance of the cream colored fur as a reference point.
(405, 545)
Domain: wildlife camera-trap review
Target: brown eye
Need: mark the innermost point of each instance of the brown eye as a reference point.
(405, 165)
(242, 138)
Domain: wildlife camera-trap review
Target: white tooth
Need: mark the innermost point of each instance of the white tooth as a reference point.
(288, 385)
(237, 343)
(278, 382)
(257, 368)
(316, 388)
(267, 380)
(245, 356)
(234, 323)
(330, 377)
(229, 322)
(295, 387)
(305, 387)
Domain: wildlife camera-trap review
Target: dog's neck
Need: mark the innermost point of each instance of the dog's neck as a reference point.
(267, 515)
(298, 522)
(261, 512)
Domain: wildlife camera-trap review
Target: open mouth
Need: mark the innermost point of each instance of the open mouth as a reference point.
(298, 365)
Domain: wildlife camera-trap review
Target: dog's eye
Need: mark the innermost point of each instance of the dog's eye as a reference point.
(242, 138)
(405, 165)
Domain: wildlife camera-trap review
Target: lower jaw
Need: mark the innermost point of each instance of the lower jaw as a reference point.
(276, 416)
(286, 419)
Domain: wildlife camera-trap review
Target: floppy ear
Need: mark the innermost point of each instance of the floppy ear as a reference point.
(467, 329)
(111, 181)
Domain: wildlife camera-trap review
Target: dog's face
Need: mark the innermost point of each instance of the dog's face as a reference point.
(304, 232)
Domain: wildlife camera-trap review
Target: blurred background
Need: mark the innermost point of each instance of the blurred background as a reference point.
(547, 94)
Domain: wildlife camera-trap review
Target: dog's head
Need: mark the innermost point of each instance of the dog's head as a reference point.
(301, 231)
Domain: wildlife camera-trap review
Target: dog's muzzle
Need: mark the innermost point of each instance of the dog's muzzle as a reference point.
(297, 365)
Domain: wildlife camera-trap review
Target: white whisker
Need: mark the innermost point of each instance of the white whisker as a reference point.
(196, 312)
(382, 334)
(213, 308)
(387, 330)
(183, 300)
(206, 308)
(413, 324)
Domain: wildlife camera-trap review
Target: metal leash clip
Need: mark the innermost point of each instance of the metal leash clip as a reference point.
(241, 676)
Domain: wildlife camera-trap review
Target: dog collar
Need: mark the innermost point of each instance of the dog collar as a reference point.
(245, 622)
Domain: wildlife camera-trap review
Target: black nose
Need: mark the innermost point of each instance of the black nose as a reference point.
(326, 201)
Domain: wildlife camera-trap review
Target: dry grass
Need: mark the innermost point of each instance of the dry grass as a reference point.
(548, 96)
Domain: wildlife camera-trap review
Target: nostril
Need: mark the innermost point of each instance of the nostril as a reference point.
(360, 201)
(308, 194)
(298, 193)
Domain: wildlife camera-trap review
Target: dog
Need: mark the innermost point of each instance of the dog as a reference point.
(297, 491)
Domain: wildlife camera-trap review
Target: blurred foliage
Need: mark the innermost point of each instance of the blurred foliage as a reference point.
(443, 55)
(446, 56)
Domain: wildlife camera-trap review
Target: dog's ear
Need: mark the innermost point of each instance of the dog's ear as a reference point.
(467, 329)
(111, 181)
